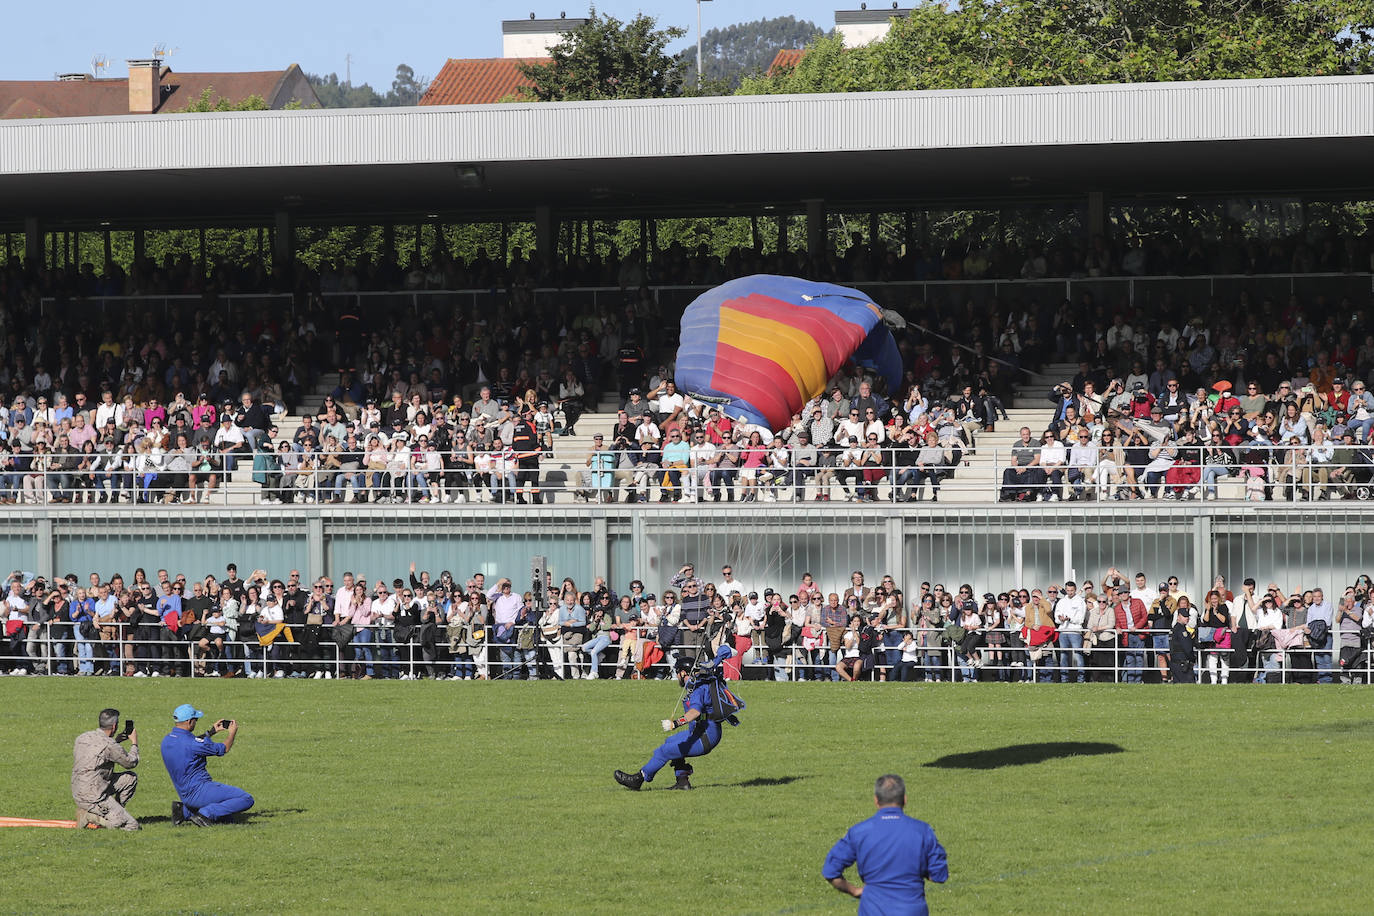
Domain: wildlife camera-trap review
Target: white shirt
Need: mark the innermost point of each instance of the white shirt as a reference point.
(727, 590)
(1071, 612)
(1052, 454)
(384, 610)
(1082, 455)
(667, 403)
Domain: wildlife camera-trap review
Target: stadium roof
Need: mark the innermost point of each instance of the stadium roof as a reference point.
(699, 155)
(478, 81)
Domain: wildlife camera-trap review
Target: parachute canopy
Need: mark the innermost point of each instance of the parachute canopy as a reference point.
(760, 347)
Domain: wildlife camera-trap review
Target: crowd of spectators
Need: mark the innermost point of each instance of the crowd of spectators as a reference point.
(422, 625)
(161, 374)
(1285, 412)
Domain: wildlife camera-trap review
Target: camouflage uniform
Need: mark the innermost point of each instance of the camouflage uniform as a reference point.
(99, 794)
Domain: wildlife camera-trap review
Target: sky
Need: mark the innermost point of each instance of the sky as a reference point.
(259, 35)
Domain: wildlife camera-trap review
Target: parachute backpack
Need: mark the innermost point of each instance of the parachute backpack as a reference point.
(724, 704)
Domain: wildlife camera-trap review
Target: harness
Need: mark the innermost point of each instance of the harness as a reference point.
(723, 702)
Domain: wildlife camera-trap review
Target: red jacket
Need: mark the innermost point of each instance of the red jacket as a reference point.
(1132, 614)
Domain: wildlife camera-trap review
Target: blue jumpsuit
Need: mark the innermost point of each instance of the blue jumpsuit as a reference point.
(896, 854)
(184, 756)
(693, 740)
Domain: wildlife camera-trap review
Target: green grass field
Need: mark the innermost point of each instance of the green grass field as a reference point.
(497, 798)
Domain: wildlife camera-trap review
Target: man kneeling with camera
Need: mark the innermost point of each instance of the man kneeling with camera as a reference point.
(99, 794)
(202, 800)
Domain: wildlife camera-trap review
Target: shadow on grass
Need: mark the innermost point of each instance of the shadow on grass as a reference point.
(1021, 754)
(265, 814)
(763, 782)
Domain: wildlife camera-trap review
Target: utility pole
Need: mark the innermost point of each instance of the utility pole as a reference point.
(699, 3)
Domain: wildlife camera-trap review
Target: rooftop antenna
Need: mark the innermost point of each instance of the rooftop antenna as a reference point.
(348, 69)
(162, 52)
(99, 62)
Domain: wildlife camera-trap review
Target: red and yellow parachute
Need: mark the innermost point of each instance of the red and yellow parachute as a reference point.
(762, 346)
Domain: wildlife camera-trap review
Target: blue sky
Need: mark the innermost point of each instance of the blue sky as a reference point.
(259, 35)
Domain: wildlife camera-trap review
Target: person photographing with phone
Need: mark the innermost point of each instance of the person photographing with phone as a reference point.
(202, 800)
(99, 794)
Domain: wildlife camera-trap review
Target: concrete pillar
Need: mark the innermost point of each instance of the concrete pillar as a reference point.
(315, 545)
(1097, 214)
(283, 240)
(140, 246)
(815, 227)
(44, 547)
(1204, 556)
(601, 547)
(546, 235)
(109, 252)
(782, 233)
(33, 240)
(200, 238)
(389, 242)
(895, 542)
(874, 227)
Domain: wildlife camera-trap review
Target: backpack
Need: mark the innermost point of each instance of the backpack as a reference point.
(868, 640)
(724, 704)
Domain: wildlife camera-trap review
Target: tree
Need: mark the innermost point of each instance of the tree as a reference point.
(606, 59)
(406, 89)
(335, 93)
(1037, 43)
(747, 48)
(208, 101)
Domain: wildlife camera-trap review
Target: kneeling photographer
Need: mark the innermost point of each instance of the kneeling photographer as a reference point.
(202, 800)
(99, 794)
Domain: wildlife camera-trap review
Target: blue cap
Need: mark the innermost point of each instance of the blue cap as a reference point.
(186, 712)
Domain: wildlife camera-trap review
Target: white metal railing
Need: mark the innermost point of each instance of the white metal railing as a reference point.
(311, 651)
(869, 475)
(1243, 472)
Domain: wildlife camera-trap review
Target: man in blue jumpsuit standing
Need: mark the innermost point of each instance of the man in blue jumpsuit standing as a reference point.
(203, 801)
(708, 703)
(895, 853)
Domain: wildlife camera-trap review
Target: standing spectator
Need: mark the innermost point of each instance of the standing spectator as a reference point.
(1132, 625)
(1070, 617)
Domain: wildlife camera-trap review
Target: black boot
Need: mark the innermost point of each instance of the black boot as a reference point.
(634, 781)
(178, 814)
(682, 781)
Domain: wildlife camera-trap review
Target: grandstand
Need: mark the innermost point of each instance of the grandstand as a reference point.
(1114, 220)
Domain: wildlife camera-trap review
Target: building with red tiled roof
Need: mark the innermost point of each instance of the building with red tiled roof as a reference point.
(785, 59)
(479, 81)
(150, 88)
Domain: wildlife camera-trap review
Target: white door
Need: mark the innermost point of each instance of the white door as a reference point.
(1042, 557)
